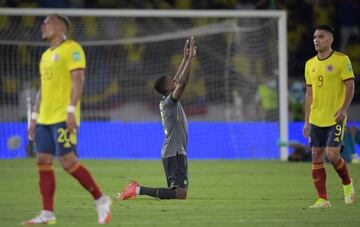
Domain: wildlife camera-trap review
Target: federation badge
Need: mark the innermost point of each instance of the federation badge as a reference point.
(330, 68)
(55, 57)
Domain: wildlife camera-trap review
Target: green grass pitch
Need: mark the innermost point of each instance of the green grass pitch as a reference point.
(221, 193)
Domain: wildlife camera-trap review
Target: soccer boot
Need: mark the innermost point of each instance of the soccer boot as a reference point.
(45, 217)
(103, 207)
(129, 192)
(321, 203)
(349, 193)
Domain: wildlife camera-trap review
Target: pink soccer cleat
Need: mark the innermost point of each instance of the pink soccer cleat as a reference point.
(129, 192)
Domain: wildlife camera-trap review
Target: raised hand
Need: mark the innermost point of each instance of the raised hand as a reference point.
(192, 47)
(186, 48)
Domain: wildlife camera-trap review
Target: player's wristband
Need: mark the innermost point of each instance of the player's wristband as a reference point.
(34, 116)
(71, 109)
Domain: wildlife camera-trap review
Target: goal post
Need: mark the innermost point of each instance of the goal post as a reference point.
(126, 49)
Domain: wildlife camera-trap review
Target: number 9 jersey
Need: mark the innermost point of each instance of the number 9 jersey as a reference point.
(326, 77)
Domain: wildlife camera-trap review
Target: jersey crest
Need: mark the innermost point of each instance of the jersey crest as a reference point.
(55, 57)
(330, 68)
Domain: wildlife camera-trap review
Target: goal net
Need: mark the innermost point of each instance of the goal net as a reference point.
(235, 100)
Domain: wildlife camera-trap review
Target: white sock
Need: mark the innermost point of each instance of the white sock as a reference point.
(137, 190)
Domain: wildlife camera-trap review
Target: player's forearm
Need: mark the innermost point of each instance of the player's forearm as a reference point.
(180, 69)
(185, 75)
(75, 96)
(349, 94)
(307, 113)
(308, 102)
(36, 106)
(76, 92)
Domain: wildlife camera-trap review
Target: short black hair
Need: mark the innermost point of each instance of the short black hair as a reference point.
(326, 27)
(65, 20)
(160, 85)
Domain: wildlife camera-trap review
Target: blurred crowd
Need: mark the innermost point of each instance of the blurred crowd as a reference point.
(303, 16)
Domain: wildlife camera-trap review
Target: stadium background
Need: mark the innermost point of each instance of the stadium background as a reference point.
(302, 17)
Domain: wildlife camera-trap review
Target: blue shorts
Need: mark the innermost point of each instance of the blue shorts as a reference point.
(331, 136)
(54, 139)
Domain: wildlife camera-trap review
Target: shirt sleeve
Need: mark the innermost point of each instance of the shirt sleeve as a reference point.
(75, 57)
(346, 69)
(307, 74)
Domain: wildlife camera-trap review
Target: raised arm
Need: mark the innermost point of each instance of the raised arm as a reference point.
(183, 61)
(185, 74)
(78, 83)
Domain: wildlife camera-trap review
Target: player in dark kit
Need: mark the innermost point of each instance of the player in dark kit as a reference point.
(175, 124)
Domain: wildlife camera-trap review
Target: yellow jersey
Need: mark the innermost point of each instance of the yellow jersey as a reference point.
(56, 81)
(326, 77)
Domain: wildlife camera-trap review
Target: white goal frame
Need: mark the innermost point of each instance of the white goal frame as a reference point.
(280, 15)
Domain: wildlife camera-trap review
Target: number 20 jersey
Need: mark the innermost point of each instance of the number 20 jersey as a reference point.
(56, 81)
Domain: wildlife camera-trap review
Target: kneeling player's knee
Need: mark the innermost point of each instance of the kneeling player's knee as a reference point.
(181, 193)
